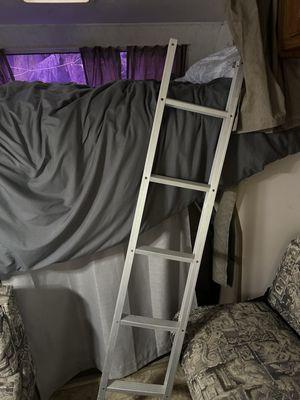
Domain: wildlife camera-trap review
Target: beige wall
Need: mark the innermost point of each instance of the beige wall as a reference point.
(269, 211)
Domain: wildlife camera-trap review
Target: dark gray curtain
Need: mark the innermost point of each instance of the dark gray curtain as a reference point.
(101, 65)
(179, 67)
(6, 74)
(148, 62)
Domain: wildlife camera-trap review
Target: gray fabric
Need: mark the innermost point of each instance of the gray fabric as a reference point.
(263, 105)
(284, 295)
(246, 350)
(249, 154)
(272, 85)
(242, 351)
(72, 159)
(17, 370)
(222, 223)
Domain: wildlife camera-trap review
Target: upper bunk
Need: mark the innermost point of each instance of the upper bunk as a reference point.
(68, 148)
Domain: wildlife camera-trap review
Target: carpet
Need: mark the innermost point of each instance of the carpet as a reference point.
(86, 387)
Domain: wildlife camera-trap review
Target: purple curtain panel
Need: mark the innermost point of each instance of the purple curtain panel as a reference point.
(6, 74)
(148, 62)
(101, 65)
(61, 68)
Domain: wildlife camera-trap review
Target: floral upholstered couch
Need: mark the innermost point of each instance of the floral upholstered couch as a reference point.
(17, 374)
(249, 350)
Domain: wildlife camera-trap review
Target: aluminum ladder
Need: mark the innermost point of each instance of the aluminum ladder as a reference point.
(194, 259)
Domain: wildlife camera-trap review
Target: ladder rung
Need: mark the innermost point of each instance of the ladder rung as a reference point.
(165, 253)
(149, 323)
(164, 180)
(137, 388)
(183, 105)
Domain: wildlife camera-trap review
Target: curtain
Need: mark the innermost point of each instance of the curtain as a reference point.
(179, 67)
(253, 27)
(71, 304)
(148, 62)
(62, 68)
(101, 65)
(6, 74)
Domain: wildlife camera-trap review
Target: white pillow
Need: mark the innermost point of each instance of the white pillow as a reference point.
(217, 65)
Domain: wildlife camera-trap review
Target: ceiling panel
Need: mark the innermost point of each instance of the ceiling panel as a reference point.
(112, 11)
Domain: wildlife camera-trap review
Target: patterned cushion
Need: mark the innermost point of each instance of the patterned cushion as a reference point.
(284, 296)
(241, 351)
(17, 378)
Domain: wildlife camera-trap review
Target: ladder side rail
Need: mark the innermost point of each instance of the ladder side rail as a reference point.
(226, 129)
(138, 215)
(215, 175)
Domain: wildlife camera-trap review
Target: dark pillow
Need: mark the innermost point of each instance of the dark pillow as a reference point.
(284, 295)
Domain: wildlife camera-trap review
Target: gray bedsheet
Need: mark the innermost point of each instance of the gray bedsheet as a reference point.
(71, 160)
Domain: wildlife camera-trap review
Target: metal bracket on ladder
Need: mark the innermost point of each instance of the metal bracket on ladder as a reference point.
(194, 259)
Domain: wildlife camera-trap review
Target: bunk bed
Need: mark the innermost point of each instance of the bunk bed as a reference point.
(65, 315)
(69, 153)
(63, 288)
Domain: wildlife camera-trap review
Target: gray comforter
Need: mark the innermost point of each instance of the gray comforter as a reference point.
(71, 160)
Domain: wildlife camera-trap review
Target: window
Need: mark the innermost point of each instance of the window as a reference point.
(95, 66)
(62, 68)
(123, 56)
